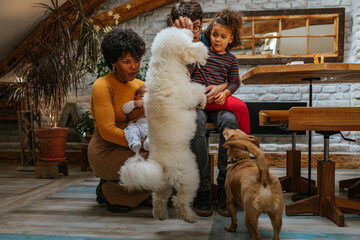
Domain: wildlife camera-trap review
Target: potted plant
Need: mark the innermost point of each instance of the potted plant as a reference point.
(67, 45)
(85, 125)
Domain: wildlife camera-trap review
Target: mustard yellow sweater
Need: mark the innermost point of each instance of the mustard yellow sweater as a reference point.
(107, 98)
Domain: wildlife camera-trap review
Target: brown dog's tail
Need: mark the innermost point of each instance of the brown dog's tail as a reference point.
(260, 159)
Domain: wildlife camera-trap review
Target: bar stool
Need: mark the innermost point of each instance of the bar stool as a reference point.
(292, 182)
(326, 121)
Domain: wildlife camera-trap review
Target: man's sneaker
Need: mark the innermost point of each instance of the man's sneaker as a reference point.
(203, 206)
(222, 203)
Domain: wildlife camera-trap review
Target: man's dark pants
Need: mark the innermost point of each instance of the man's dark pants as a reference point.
(223, 119)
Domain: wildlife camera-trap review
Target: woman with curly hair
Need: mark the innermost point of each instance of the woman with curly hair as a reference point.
(108, 149)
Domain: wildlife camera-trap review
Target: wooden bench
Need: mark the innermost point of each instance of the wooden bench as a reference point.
(292, 182)
(325, 121)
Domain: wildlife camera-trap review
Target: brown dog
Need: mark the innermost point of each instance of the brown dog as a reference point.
(250, 184)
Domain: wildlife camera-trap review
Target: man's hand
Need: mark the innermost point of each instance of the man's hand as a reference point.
(184, 22)
(136, 114)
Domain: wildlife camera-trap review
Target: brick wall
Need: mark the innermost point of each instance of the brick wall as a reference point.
(148, 24)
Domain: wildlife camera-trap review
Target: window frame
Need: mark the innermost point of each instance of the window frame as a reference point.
(336, 56)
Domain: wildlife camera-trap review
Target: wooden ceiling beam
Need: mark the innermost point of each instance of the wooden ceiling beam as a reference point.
(15, 58)
(104, 19)
(129, 10)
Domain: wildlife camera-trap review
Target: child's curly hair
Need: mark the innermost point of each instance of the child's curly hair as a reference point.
(228, 18)
(118, 42)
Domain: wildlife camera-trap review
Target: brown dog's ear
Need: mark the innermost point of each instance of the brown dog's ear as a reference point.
(240, 144)
(254, 140)
(226, 133)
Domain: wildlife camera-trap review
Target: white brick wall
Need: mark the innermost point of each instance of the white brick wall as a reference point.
(148, 24)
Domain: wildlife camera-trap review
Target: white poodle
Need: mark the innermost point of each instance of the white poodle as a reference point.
(170, 108)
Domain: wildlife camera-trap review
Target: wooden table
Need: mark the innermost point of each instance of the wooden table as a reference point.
(304, 74)
(293, 181)
(294, 74)
(326, 121)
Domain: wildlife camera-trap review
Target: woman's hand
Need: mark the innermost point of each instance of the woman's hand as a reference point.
(136, 114)
(214, 90)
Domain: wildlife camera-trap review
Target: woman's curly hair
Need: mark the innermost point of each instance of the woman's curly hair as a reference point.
(228, 18)
(118, 42)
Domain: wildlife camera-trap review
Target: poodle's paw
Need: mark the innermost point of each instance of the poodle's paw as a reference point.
(160, 214)
(190, 218)
(202, 103)
(198, 92)
(183, 210)
(201, 53)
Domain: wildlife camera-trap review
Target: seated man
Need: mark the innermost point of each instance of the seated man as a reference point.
(188, 14)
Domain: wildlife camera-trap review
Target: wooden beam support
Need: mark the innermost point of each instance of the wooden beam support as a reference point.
(129, 10)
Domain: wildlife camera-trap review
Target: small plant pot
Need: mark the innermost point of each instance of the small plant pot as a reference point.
(52, 143)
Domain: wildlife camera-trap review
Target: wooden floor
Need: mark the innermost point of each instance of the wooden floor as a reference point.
(65, 208)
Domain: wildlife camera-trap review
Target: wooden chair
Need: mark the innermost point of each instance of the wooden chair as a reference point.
(212, 129)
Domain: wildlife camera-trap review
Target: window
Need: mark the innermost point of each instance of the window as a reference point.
(282, 36)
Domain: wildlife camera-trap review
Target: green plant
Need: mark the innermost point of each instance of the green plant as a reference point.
(101, 68)
(67, 45)
(141, 74)
(85, 125)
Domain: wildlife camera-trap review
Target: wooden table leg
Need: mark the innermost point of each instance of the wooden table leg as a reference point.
(353, 186)
(293, 182)
(347, 205)
(326, 191)
(325, 203)
(214, 187)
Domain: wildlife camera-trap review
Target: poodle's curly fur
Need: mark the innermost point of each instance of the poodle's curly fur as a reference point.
(170, 108)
